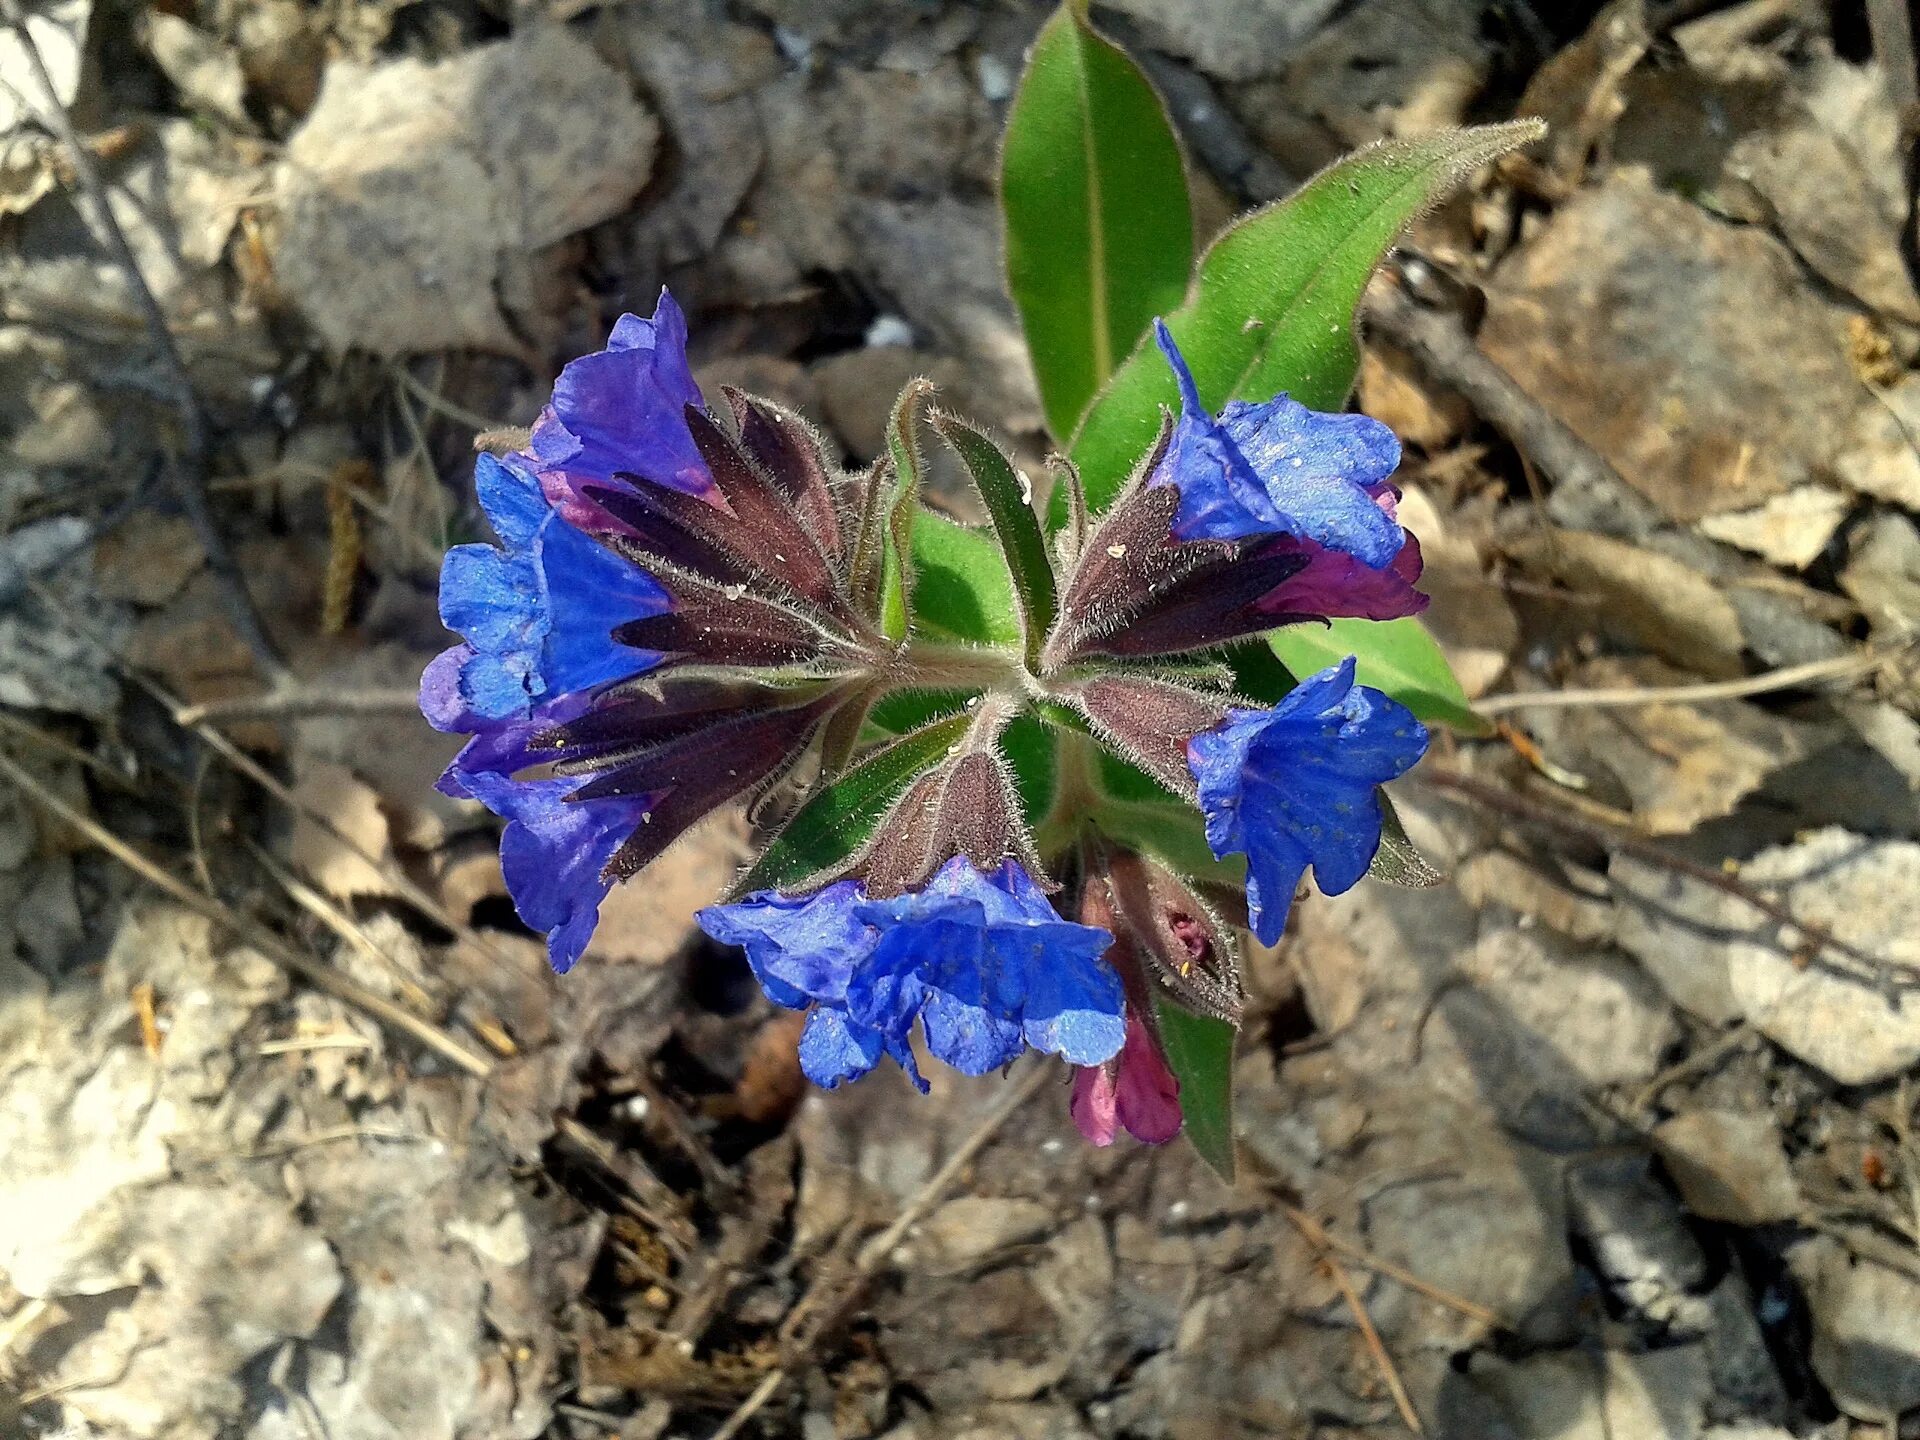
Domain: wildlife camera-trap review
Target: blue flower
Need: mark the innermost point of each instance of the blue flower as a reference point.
(553, 854)
(537, 611)
(981, 961)
(1295, 785)
(1279, 468)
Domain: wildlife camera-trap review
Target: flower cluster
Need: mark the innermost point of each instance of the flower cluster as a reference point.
(685, 604)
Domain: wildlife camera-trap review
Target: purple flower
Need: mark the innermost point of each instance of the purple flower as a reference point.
(1278, 468)
(1295, 785)
(620, 413)
(1266, 515)
(982, 962)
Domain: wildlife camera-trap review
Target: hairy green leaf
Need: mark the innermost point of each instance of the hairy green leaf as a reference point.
(1273, 302)
(1397, 656)
(961, 589)
(1200, 1053)
(1098, 225)
(836, 821)
(1009, 501)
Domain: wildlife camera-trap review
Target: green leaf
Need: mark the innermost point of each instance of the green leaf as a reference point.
(1397, 656)
(1028, 746)
(1200, 1054)
(1273, 302)
(836, 821)
(1173, 833)
(1009, 501)
(1099, 229)
(961, 589)
(889, 498)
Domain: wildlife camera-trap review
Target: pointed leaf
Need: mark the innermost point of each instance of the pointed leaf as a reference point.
(889, 495)
(1397, 656)
(1200, 1054)
(1009, 500)
(1099, 229)
(837, 820)
(1273, 302)
(1398, 860)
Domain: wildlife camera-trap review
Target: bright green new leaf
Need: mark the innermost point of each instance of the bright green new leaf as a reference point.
(961, 589)
(1397, 656)
(1009, 501)
(836, 821)
(1273, 304)
(1200, 1053)
(889, 499)
(1098, 226)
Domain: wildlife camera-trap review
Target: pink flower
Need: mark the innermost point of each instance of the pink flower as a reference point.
(1134, 1091)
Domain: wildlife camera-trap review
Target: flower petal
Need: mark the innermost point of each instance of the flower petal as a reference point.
(1294, 786)
(622, 410)
(1278, 468)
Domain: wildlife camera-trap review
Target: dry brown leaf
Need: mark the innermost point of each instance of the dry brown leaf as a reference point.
(354, 808)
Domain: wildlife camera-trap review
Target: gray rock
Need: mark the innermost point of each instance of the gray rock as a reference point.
(1723, 960)
(1578, 1396)
(1860, 891)
(1238, 40)
(1672, 925)
(1866, 1329)
(1729, 1166)
(1691, 353)
(410, 184)
(1643, 1249)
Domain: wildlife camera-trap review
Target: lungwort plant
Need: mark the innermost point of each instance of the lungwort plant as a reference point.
(1037, 775)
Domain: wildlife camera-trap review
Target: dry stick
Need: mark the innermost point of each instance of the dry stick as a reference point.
(302, 701)
(321, 976)
(1784, 679)
(1318, 1235)
(1610, 837)
(402, 884)
(337, 920)
(877, 1253)
(1700, 1061)
(1375, 1345)
(188, 472)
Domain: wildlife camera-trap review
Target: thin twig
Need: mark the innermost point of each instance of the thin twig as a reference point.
(388, 870)
(188, 471)
(751, 1406)
(316, 973)
(877, 1254)
(1317, 1234)
(337, 920)
(1788, 678)
(1376, 1347)
(1699, 1062)
(302, 701)
(439, 403)
(1881, 971)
